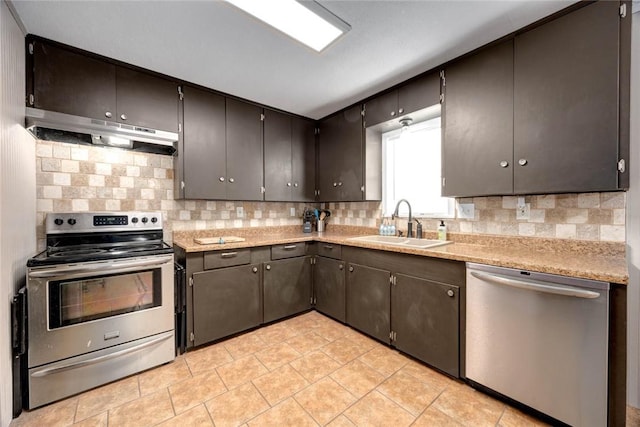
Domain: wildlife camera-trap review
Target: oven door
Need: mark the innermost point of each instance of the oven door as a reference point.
(80, 308)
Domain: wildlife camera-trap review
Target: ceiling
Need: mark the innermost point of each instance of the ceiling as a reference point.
(213, 44)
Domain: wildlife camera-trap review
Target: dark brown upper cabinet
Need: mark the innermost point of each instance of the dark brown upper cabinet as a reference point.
(477, 124)
(289, 157)
(417, 94)
(70, 82)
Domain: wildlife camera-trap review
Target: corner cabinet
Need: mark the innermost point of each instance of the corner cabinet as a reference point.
(329, 287)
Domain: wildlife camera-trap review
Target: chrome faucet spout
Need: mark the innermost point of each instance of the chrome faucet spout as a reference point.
(409, 223)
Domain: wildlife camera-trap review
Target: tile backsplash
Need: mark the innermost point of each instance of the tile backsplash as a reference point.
(86, 178)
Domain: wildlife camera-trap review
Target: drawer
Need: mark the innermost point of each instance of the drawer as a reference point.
(228, 258)
(288, 250)
(330, 250)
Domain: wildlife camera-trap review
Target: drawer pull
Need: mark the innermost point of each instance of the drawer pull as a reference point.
(329, 247)
(289, 247)
(228, 254)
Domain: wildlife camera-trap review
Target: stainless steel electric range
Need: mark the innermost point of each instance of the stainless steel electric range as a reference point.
(100, 302)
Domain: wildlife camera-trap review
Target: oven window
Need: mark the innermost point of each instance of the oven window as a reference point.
(81, 300)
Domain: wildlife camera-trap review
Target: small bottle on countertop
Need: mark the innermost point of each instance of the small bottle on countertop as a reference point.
(382, 229)
(442, 231)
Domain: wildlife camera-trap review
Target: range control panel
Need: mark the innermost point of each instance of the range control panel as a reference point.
(92, 222)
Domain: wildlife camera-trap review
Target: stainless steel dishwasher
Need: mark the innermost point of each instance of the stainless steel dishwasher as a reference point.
(541, 340)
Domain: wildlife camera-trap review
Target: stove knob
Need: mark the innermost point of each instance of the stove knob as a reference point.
(154, 219)
(58, 221)
(134, 220)
(145, 219)
(71, 221)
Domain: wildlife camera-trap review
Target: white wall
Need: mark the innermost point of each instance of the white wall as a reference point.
(633, 225)
(17, 190)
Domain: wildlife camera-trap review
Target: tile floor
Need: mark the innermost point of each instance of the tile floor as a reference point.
(307, 370)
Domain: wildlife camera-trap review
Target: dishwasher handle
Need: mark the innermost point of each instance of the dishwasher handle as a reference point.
(536, 286)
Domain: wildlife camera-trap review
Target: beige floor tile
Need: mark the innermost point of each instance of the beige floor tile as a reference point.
(331, 332)
(515, 418)
(376, 410)
(633, 416)
(106, 397)
(287, 413)
(241, 371)
(384, 360)
(100, 420)
(163, 376)
(315, 366)
(236, 406)
(469, 407)
(196, 390)
(409, 392)
(280, 384)
(433, 417)
(207, 358)
(341, 421)
(277, 355)
(276, 333)
(194, 417)
(244, 345)
(325, 400)
(146, 411)
(361, 340)
(358, 378)
(427, 375)
(304, 322)
(307, 342)
(57, 414)
(343, 350)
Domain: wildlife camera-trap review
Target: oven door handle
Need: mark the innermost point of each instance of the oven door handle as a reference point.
(74, 365)
(99, 267)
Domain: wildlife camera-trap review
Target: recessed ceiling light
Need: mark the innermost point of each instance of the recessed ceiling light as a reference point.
(306, 21)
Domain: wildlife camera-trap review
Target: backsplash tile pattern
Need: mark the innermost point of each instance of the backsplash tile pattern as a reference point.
(87, 178)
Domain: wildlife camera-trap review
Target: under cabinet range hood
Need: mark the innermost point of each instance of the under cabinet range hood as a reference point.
(54, 126)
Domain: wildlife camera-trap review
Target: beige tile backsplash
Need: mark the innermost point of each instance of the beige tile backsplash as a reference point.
(87, 178)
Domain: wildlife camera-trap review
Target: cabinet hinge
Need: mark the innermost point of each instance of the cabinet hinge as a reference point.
(30, 48)
(180, 93)
(443, 78)
(190, 281)
(262, 117)
(182, 185)
(31, 99)
(263, 190)
(312, 260)
(623, 10)
(362, 189)
(392, 335)
(179, 127)
(441, 98)
(622, 166)
(317, 131)
(192, 337)
(443, 182)
(363, 111)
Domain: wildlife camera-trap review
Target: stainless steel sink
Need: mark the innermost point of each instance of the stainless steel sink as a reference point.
(401, 241)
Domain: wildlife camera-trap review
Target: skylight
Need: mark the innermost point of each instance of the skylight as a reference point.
(306, 21)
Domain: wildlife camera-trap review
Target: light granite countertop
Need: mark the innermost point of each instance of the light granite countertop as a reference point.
(603, 261)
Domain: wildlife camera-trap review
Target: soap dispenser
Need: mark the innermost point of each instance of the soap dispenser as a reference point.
(442, 231)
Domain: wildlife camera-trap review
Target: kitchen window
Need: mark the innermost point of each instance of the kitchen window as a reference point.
(411, 169)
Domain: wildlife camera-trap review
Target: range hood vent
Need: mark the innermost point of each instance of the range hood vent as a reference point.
(53, 126)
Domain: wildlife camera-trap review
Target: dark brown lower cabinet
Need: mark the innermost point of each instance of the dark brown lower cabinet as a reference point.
(225, 301)
(329, 287)
(425, 321)
(286, 287)
(368, 300)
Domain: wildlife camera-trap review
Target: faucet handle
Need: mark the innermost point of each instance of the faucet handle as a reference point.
(399, 233)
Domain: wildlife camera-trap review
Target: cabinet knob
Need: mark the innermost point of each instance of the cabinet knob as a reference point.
(522, 162)
(295, 184)
(108, 114)
(393, 113)
(335, 184)
(339, 184)
(450, 293)
(401, 110)
(351, 268)
(288, 184)
(341, 267)
(254, 269)
(123, 116)
(221, 179)
(504, 164)
(231, 180)
(268, 267)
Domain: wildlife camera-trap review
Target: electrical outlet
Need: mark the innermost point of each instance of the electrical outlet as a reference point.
(466, 210)
(523, 210)
(293, 212)
(240, 212)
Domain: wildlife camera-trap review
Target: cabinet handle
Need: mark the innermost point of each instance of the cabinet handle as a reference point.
(123, 116)
(108, 114)
(289, 247)
(504, 164)
(522, 162)
(228, 254)
(268, 267)
(288, 184)
(231, 180)
(351, 269)
(401, 110)
(341, 266)
(254, 269)
(450, 293)
(221, 179)
(393, 113)
(329, 247)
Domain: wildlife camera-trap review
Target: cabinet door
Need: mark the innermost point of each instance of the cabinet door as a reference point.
(204, 145)
(420, 93)
(341, 156)
(368, 300)
(225, 301)
(566, 103)
(277, 156)
(303, 160)
(381, 109)
(146, 101)
(72, 83)
(286, 288)
(244, 151)
(329, 287)
(425, 319)
(477, 148)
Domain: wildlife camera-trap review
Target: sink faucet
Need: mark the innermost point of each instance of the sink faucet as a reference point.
(409, 224)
